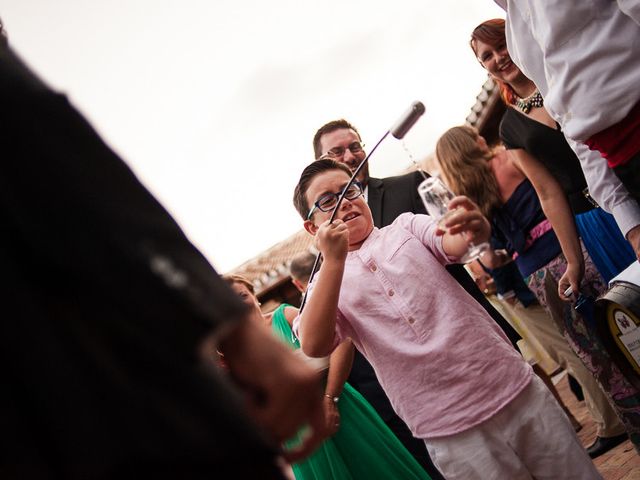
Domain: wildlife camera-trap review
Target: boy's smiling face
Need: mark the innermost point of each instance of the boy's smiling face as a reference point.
(355, 213)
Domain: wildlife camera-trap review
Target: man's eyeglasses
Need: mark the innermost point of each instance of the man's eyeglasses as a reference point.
(337, 152)
(328, 201)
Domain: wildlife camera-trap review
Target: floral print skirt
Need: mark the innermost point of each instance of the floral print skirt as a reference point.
(583, 339)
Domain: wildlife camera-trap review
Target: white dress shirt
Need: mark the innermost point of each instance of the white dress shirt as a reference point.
(584, 57)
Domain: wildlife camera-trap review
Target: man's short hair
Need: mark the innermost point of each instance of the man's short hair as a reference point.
(328, 128)
(301, 266)
(308, 174)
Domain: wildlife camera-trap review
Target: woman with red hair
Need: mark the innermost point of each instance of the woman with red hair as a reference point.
(538, 147)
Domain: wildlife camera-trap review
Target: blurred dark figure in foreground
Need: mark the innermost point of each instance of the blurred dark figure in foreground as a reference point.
(107, 312)
(3, 35)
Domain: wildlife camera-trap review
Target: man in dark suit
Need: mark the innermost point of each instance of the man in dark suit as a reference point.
(388, 198)
(111, 319)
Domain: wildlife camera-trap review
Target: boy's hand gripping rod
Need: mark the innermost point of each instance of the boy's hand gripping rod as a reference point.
(398, 130)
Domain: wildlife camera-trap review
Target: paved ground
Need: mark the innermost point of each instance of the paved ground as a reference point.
(621, 463)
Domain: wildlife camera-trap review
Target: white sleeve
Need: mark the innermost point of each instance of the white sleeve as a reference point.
(606, 188)
(631, 8)
(502, 4)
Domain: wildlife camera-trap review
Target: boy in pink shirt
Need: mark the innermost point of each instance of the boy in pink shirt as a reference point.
(446, 366)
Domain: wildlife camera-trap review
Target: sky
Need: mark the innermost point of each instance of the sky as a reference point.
(214, 103)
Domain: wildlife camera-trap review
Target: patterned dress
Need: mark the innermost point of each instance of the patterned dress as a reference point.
(542, 264)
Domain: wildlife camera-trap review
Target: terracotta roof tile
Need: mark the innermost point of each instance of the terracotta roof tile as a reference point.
(272, 265)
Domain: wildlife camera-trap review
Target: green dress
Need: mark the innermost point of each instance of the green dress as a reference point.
(363, 447)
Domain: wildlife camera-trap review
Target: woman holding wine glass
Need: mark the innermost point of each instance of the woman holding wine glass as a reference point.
(507, 198)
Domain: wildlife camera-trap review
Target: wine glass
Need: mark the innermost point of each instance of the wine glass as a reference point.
(436, 197)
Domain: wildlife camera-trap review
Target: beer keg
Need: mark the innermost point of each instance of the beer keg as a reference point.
(618, 323)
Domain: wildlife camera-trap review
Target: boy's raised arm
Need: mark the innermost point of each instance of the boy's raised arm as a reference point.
(318, 320)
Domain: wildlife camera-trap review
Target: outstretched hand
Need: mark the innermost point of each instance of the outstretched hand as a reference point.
(282, 394)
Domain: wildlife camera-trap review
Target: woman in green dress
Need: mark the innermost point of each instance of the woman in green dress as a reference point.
(359, 445)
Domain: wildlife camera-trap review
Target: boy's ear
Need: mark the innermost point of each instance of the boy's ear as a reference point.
(310, 227)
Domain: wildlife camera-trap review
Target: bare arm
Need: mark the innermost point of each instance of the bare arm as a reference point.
(318, 320)
(340, 364)
(556, 208)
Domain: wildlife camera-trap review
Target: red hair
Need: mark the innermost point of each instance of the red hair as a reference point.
(492, 32)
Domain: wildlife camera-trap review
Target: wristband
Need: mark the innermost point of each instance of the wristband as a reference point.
(333, 399)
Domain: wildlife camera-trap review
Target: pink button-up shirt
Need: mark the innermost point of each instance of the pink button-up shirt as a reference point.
(444, 363)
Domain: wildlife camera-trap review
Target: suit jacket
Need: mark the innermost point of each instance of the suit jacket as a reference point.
(105, 302)
(392, 196)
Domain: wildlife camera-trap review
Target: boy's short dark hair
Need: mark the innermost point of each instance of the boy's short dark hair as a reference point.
(308, 174)
(328, 128)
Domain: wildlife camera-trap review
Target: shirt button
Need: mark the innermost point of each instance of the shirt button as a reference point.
(373, 267)
(412, 320)
(391, 292)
